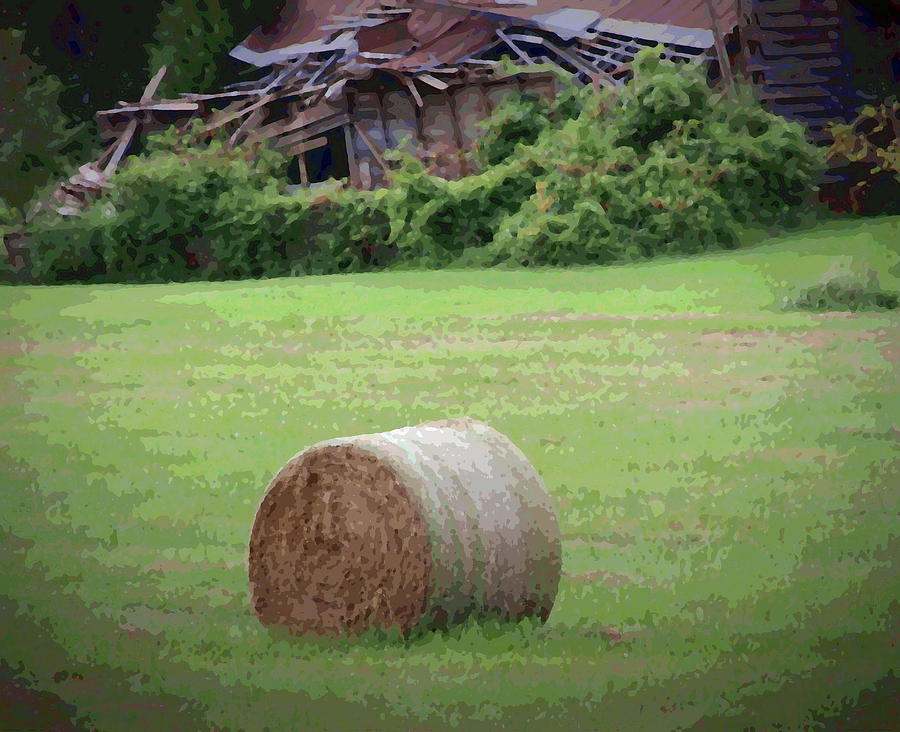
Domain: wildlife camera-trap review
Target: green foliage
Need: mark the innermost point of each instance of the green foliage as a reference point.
(37, 140)
(161, 219)
(663, 165)
(433, 221)
(845, 288)
(519, 121)
(864, 162)
(190, 39)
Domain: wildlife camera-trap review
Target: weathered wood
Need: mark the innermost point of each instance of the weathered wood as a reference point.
(311, 130)
(352, 161)
(432, 81)
(789, 6)
(796, 20)
(721, 51)
(411, 85)
(370, 143)
(515, 48)
(153, 85)
(240, 132)
(121, 147)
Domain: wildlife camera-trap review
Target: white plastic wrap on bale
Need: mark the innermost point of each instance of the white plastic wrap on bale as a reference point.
(494, 535)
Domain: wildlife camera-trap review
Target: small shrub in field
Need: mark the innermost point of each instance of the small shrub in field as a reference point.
(864, 162)
(846, 289)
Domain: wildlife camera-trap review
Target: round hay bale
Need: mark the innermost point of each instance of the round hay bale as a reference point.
(419, 526)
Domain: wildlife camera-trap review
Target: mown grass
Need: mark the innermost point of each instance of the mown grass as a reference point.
(725, 474)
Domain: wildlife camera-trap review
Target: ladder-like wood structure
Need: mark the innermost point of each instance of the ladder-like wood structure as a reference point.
(794, 56)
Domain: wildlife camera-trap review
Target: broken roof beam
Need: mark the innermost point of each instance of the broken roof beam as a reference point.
(411, 85)
(515, 48)
(121, 147)
(432, 81)
(597, 76)
(291, 70)
(325, 66)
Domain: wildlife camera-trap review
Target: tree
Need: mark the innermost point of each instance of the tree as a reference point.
(191, 39)
(37, 140)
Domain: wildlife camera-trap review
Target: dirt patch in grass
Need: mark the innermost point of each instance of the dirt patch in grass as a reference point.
(888, 343)
(610, 579)
(14, 349)
(167, 566)
(565, 317)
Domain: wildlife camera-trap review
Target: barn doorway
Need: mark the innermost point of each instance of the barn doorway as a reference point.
(323, 158)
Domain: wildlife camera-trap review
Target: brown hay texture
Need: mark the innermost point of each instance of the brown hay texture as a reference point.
(419, 526)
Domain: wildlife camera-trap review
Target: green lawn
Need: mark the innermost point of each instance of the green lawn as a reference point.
(725, 474)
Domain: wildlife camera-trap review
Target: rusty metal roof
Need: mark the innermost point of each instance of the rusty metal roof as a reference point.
(461, 39)
(307, 26)
(299, 27)
(679, 13)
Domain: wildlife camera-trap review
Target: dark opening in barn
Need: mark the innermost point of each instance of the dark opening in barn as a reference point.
(330, 160)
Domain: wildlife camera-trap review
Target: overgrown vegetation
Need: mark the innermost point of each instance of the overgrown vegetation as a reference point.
(864, 162)
(663, 165)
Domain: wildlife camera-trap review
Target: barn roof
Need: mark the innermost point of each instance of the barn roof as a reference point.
(411, 26)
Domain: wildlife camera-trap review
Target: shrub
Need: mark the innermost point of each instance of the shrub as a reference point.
(518, 121)
(845, 287)
(161, 219)
(864, 162)
(663, 165)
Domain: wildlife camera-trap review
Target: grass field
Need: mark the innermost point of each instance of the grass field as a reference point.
(725, 474)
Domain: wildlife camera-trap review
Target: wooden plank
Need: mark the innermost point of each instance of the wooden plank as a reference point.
(796, 20)
(155, 107)
(789, 6)
(316, 142)
(806, 91)
(248, 123)
(304, 119)
(781, 50)
(351, 157)
(721, 51)
(812, 34)
(121, 147)
(399, 115)
(153, 86)
(312, 130)
(471, 108)
(411, 85)
(515, 48)
(432, 81)
(370, 143)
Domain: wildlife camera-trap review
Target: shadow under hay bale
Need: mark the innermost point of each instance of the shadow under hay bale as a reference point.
(419, 526)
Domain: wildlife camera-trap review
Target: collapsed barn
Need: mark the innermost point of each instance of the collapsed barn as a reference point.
(344, 83)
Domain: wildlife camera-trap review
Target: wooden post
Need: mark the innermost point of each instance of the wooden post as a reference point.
(721, 51)
(124, 141)
(457, 132)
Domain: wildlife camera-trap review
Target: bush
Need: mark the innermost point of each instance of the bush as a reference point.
(664, 165)
(845, 289)
(864, 162)
(161, 219)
